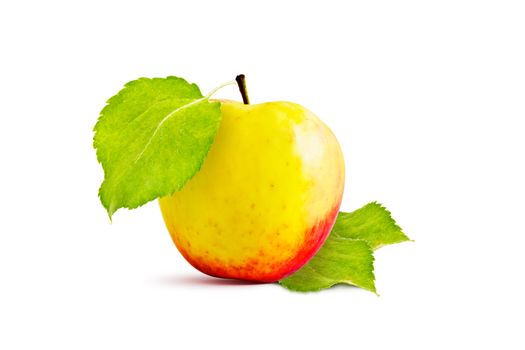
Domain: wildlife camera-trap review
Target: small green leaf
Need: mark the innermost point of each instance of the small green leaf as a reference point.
(372, 223)
(347, 254)
(340, 260)
(151, 138)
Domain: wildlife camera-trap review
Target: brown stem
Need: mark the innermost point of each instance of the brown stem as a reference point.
(241, 82)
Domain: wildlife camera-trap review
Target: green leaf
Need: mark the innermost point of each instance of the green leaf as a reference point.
(372, 223)
(151, 138)
(340, 260)
(347, 254)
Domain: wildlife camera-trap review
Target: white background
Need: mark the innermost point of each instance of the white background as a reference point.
(427, 99)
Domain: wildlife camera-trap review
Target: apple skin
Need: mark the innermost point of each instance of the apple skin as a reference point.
(265, 198)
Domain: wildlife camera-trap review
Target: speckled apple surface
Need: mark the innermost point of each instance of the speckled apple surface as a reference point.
(265, 198)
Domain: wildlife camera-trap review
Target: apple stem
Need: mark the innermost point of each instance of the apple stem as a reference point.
(241, 82)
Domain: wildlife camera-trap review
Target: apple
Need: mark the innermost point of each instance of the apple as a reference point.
(266, 197)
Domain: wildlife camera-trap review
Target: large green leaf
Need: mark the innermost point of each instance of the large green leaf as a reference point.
(151, 138)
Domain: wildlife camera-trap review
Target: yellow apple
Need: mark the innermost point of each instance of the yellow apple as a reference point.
(266, 196)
